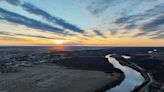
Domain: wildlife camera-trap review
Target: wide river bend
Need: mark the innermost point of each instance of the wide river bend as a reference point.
(132, 78)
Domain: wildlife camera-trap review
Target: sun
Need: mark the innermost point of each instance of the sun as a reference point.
(59, 41)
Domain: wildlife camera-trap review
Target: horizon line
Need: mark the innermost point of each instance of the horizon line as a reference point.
(71, 45)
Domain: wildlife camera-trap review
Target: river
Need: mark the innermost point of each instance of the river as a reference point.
(132, 78)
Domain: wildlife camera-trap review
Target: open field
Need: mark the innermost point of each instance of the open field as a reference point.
(43, 70)
(47, 78)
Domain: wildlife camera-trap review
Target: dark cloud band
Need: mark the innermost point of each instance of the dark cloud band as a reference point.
(39, 12)
(22, 20)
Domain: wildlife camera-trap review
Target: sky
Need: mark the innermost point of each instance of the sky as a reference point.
(82, 22)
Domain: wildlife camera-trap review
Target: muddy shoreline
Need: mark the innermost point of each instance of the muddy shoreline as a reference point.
(112, 84)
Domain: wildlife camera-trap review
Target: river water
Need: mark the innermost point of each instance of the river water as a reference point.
(132, 77)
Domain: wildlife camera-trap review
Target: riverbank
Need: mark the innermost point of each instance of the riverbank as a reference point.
(153, 63)
(146, 86)
(112, 83)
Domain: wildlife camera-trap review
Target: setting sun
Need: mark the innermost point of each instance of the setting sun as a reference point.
(59, 41)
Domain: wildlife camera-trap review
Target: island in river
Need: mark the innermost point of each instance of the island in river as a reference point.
(72, 69)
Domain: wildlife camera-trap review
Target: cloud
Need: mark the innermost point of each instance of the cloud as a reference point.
(131, 26)
(13, 2)
(156, 24)
(130, 16)
(107, 11)
(113, 31)
(98, 6)
(149, 21)
(140, 34)
(9, 36)
(36, 36)
(26, 35)
(22, 20)
(5, 33)
(112, 13)
(129, 19)
(57, 21)
(99, 33)
(37, 11)
(13, 38)
(160, 36)
(134, 19)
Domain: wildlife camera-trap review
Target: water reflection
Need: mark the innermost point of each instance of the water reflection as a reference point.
(126, 57)
(132, 77)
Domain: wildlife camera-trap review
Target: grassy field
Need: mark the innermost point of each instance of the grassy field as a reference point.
(48, 78)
